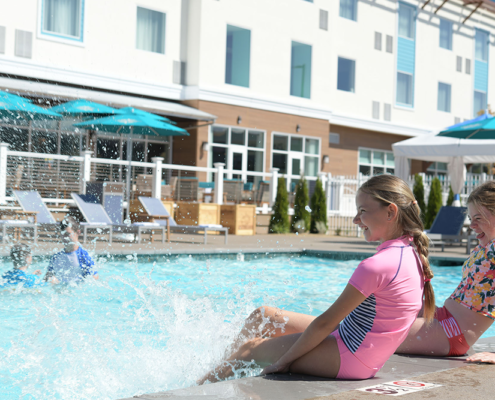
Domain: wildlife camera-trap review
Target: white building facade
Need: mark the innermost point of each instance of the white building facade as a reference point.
(303, 86)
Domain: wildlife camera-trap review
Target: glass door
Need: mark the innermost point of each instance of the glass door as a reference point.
(237, 162)
(296, 167)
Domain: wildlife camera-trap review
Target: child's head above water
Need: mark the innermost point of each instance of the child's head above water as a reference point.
(392, 212)
(20, 254)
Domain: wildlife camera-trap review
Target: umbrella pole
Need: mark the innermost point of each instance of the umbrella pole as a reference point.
(129, 171)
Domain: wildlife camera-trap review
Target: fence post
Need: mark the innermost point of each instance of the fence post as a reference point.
(157, 178)
(273, 186)
(4, 148)
(219, 183)
(341, 194)
(328, 191)
(86, 176)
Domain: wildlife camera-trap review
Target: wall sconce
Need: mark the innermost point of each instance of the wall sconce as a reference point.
(326, 160)
(298, 128)
(239, 120)
(205, 146)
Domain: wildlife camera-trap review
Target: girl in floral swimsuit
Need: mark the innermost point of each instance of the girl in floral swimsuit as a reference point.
(470, 310)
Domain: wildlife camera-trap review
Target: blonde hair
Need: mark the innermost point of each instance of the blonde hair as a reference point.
(388, 189)
(484, 195)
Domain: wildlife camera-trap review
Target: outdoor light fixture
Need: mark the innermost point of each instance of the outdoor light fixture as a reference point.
(326, 159)
(239, 120)
(298, 128)
(205, 146)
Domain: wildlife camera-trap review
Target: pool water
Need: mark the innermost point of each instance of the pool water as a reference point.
(146, 327)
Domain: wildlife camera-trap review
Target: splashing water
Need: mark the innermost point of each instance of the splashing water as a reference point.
(146, 327)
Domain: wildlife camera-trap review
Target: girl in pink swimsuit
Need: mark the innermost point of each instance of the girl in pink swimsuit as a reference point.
(372, 316)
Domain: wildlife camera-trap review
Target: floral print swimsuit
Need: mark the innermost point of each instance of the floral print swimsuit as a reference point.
(477, 288)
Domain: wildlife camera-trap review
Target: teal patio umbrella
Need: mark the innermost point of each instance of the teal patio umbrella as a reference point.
(132, 123)
(137, 111)
(482, 127)
(83, 108)
(14, 107)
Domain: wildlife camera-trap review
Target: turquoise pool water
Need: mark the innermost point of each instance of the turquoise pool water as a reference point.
(150, 326)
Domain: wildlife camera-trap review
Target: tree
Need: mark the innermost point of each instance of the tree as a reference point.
(318, 210)
(434, 202)
(419, 194)
(301, 220)
(450, 199)
(279, 223)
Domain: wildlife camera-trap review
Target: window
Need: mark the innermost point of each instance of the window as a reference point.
(346, 71)
(387, 112)
(324, 20)
(62, 18)
(404, 89)
(468, 66)
(238, 56)
(150, 32)
(378, 41)
(375, 112)
(479, 102)
(481, 45)
(458, 64)
(295, 155)
(445, 34)
(444, 96)
(240, 149)
(300, 75)
(437, 169)
(406, 21)
(390, 44)
(376, 162)
(348, 9)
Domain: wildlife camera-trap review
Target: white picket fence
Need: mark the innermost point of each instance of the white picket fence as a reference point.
(342, 207)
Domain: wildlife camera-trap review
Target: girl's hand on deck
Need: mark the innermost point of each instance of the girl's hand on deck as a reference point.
(482, 357)
(276, 368)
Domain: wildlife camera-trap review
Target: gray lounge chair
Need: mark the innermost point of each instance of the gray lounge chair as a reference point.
(447, 226)
(156, 209)
(97, 218)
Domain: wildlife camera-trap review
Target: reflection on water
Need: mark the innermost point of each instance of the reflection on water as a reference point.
(149, 327)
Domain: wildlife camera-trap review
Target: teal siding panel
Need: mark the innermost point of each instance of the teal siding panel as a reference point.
(406, 49)
(481, 76)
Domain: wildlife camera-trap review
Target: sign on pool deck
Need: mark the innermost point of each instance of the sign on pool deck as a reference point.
(398, 388)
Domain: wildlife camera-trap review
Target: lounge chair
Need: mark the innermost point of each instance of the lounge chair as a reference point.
(447, 226)
(156, 210)
(232, 189)
(97, 218)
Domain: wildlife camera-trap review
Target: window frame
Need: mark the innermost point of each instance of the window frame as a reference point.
(356, 2)
(310, 70)
(302, 153)
(482, 31)
(397, 103)
(434, 171)
(450, 97)
(354, 83)
(164, 30)
(60, 38)
(250, 54)
(371, 165)
(451, 34)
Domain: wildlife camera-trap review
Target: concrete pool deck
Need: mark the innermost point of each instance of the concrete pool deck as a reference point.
(458, 379)
(192, 244)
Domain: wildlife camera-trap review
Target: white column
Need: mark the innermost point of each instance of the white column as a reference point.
(157, 178)
(273, 186)
(86, 176)
(219, 182)
(4, 148)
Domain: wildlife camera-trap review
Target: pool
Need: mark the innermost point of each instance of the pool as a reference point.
(151, 325)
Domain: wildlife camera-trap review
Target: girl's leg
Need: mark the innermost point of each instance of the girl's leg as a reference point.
(425, 340)
(323, 360)
(274, 322)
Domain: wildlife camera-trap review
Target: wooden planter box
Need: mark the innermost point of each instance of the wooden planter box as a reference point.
(239, 218)
(139, 214)
(188, 213)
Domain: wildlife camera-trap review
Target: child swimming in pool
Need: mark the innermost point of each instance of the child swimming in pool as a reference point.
(359, 332)
(20, 253)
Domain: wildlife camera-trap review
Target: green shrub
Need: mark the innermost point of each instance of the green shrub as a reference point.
(279, 223)
(434, 202)
(318, 210)
(301, 219)
(450, 199)
(419, 194)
